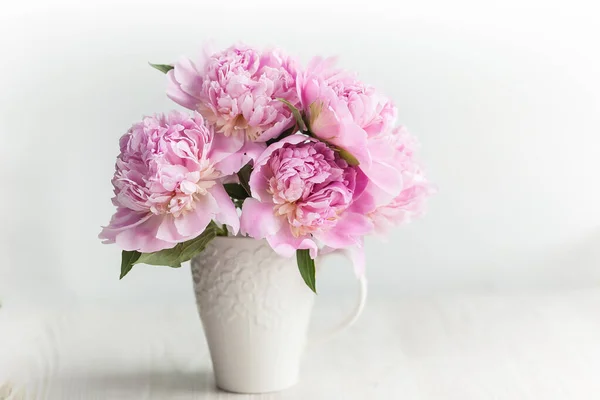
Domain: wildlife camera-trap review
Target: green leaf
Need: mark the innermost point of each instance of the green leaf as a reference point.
(128, 258)
(164, 68)
(181, 252)
(306, 265)
(244, 177)
(348, 157)
(221, 230)
(173, 257)
(296, 113)
(236, 191)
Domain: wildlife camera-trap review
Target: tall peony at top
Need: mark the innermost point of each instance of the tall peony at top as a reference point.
(167, 184)
(341, 109)
(301, 192)
(351, 115)
(237, 91)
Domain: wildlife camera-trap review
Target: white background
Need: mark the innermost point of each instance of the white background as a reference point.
(504, 97)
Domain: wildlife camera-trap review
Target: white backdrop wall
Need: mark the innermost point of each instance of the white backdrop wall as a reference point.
(504, 97)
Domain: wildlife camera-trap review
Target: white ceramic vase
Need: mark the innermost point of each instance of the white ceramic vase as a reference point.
(255, 309)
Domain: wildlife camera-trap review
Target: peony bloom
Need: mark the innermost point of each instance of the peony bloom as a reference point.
(403, 208)
(167, 184)
(301, 191)
(397, 149)
(341, 109)
(345, 112)
(237, 91)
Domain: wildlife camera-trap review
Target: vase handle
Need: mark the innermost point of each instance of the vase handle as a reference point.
(353, 316)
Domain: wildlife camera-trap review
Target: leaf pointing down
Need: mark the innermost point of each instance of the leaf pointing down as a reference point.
(128, 258)
(173, 257)
(306, 265)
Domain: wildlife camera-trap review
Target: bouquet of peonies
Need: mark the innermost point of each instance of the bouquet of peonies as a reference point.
(308, 159)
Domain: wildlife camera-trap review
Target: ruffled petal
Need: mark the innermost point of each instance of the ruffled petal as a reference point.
(167, 230)
(227, 212)
(325, 124)
(347, 232)
(258, 220)
(223, 147)
(142, 237)
(191, 224)
(123, 219)
(285, 244)
(385, 177)
(258, 182)
(354, 140)
(233, 162)
(175, 93)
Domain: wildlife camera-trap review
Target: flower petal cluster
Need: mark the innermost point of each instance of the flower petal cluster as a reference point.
(167, 184)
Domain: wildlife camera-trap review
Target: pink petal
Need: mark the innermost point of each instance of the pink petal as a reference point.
(123, 219)
(143, 237)
(232, 164)
(227, 213)
(224, 146)
(175, 93)
(361, 183)
(259, 184)
(247, 152)
(191, 224)
(293, 139)
(363, 204)
(257, 179)
(308, 91)
(253, 150)
(167, 230)
(357, 256)
(285, 244)
(326, 125)
(386, 177)
(258, 219)
(347, 232)
(354, 140)
(190, 80)
(276, 129)
(185, 71)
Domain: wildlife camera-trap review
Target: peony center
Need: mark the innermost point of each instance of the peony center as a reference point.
(197, 184)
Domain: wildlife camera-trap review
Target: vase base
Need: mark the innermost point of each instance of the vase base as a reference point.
(256, 389)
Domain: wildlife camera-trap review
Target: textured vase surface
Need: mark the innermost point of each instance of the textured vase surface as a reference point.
(255, 309)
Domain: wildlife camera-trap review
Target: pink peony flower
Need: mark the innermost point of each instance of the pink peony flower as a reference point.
(237, 91)
(301, 191)
(167, 184)
(397, 149)
(341, 109)
(347, 113)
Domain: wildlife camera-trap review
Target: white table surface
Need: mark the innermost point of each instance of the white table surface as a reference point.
(512, 346)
